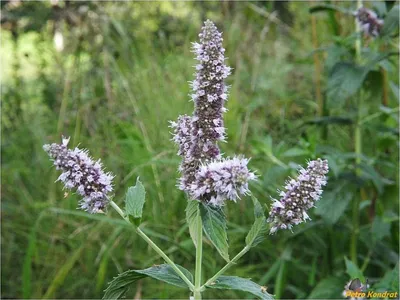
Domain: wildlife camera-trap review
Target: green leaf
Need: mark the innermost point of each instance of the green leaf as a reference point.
(165, 273)
(328, 288)
(369, 173)
(344, 81)
(240, 284)
(328, 7)
(380, 229)
(389, 282)
(391, 21)
(214, 225)
(134, 201)
(333, 204)
(191, 218)
(353, 271)
(118, 287)
(257, 232)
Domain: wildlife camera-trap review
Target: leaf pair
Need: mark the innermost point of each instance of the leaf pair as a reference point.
(214, 225)
(118, 287)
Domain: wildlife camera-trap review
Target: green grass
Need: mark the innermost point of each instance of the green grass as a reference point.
(51, 250)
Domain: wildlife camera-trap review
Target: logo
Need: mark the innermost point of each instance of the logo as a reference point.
(355, 289)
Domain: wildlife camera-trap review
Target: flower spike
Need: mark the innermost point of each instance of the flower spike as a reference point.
(299, 197)
(80, 172)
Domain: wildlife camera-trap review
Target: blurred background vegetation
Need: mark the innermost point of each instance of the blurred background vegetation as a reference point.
(112, 74)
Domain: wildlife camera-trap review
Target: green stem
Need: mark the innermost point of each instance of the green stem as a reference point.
(358, 150)
(199, 254)
(154, 246)
(226, 267)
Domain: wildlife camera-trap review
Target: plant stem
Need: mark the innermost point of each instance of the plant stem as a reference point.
(154, 246)
(199, 254)
(226, 267)
(358, 149)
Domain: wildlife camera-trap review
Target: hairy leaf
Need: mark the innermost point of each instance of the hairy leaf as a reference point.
(333, 204)
(257, 232)
(191, 218)
(391, 21)
(240, 284)
(118, 287)
(214, 225)
(344, 81)
(165, 273)
(134, 202)
(353, 271)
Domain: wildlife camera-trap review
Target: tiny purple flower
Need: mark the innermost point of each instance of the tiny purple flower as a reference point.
(80, 172)
(369, 22)
(299, 197)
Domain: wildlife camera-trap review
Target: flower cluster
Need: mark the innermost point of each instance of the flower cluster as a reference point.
(82, 173)
(300, 196)
(369, 22)
(197, 136)
(221, 180)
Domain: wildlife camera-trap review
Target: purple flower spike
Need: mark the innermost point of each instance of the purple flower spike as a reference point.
(300, 196)
(80, 172)
(222, 180)
(205, 175)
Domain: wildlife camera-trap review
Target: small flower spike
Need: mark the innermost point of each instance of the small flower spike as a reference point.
(222, 180)
(80, 172)
(369, 22)
(300, 196)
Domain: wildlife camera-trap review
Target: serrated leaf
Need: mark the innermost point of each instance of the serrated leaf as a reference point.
(191, 218)
(344, 81)
(165, 273)
(118, 287)
(353, 271)
(389, 282)
(391, 22)
(257, 231)
(240, 284)
(329, 288)
(380, 229)
(214, 225)
(134, 202)
(333, 204)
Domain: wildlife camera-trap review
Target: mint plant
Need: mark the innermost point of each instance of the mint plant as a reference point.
(209, 180)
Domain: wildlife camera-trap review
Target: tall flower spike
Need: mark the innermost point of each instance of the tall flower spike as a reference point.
(205, 176)
(82, 173)
(299, 197)
(369, 22)
(209, 95)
